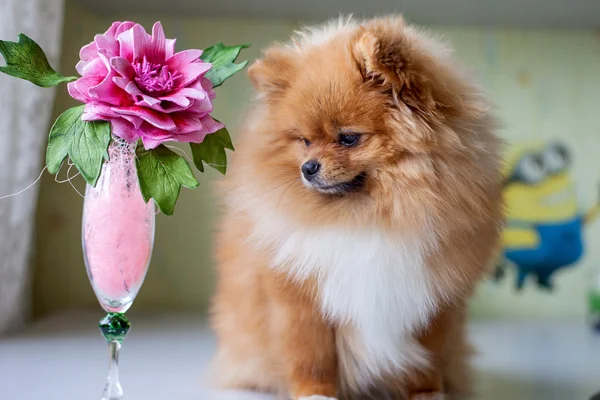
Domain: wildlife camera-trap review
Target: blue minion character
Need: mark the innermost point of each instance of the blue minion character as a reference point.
(544, 228)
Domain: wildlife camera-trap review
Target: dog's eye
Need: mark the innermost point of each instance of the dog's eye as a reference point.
(306, 142)
(349, 139)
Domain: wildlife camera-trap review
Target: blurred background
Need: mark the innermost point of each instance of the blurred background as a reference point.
(539, 61)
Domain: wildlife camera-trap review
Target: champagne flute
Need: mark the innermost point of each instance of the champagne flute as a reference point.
(118, 237)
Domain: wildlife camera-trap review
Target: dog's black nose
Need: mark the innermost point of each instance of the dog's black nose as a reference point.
(310, 169)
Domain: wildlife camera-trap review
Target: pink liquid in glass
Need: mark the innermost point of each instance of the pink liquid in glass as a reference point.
(118, 231)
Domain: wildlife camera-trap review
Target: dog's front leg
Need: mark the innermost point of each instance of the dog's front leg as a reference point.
(305, 342)
(428, 383)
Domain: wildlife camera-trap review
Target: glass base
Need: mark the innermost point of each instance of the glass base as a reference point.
(112, 392)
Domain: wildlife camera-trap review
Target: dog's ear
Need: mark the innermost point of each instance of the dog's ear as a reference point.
(391, 56)
(272, 73)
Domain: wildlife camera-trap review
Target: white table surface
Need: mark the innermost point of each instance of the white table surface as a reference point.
(166, 357)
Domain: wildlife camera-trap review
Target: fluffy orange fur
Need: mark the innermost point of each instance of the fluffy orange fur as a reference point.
(429, 168)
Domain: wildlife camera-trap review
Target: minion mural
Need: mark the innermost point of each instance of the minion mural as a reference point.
(544, 227)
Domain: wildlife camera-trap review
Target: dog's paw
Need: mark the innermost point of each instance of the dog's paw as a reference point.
(428, 396)
(316, 397)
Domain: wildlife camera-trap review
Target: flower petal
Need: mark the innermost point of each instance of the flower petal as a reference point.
(75, 93)
(81, 65)
(88, 52)
(201, 107)
(191, 137)
(170, 48)
(135, 43)
(152, 143)
(122, 82)
(108, 92)
(113, 29)
(187, 122)
(148, 100)
(137, 122)
(210, 125)
(84, 84)
(107, 43)
(142, 42)
(132, 88)
(193, 91)
(96, 111)
(177, 98)
(157, 54)
(124, 26)
(157, 119)
(190, 73)
(123, 67)
(183, 59)
(94, 68)
(208, 87)
(104, 56)
(152, 136)
(160, 106)
(125, 130)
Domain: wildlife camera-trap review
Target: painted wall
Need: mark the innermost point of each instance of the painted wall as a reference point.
(545, 86)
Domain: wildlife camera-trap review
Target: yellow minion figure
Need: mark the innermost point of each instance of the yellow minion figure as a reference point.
(544, 225)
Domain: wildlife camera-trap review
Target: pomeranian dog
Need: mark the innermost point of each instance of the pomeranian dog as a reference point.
(362, 206)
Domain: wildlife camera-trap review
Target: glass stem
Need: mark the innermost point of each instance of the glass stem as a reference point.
(113, 372)
(114, 328)
(113, 389)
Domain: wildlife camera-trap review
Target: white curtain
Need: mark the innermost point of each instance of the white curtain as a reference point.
(24, 118)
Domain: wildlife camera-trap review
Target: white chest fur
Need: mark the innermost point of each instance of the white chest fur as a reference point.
(373, 285)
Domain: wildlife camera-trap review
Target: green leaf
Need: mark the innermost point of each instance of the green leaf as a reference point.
(26, 60)
(212, 151)
(161, 173)
(85, 142)
(61, 135)
(222, 58)
(90, 149)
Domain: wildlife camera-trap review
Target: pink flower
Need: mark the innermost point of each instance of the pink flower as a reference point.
(137, 82)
